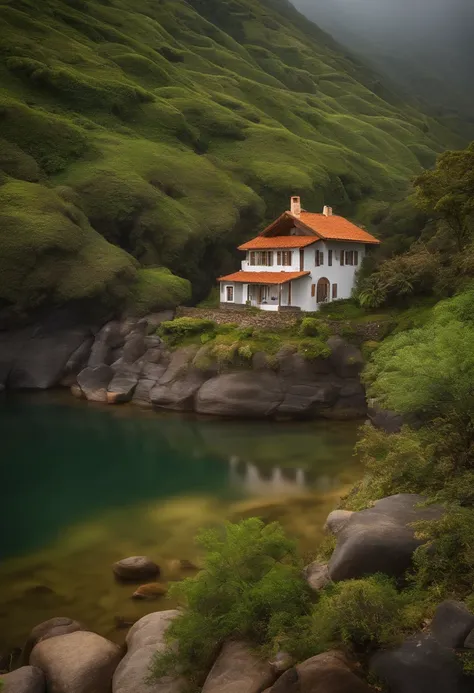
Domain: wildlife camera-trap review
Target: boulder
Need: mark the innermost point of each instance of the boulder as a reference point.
(238, 670)
(153, 342)
(317, 575)
(180, 394)
(243, 394)
(346, 359)
(60, 625)
(35, 357)
(153, 371)
(144, 640)
(421, 665)
(154, 320)
(337, 520)
(308, 399)
(326, 673)
(451, 624)
(298, 369)
(24, 680)
(94, 382)
(80, 662)
(178, 364)
(141, 396)
(134, 346)
(347, 408)
(121, 388)
(388, 421)
(380, 539)
(135, 568)
(108, 338)
(76, 362)
(151, 590)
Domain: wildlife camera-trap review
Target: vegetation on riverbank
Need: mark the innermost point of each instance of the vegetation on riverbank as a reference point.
(161, 135)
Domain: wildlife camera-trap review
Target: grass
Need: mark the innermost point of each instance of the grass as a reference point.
(182, 129)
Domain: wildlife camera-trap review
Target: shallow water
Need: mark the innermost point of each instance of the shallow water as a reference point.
(85, 485)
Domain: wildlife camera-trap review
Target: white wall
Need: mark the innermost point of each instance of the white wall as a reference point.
(238, 292)
(294, 267)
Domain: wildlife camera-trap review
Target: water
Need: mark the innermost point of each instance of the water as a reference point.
(85, 485)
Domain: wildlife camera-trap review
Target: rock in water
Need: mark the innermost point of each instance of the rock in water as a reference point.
(152, 590)
(144, 640)
(136, 568)
(244, 394)
(121, 388)
(24, 680)
(60, 625)
(80, 662)
(380, 539)
(238, 670)
(94, 382)
(326, 673)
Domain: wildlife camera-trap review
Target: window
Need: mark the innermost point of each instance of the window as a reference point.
(330, 258)
(284, 258)
(229, 294)
(313, 290)
(341, 254)
(319, 258)
(334, 292)
(352, 257)
(356, 258)
(253, 258)
(264, 258)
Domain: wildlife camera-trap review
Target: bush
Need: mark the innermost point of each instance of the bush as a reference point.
(175, 331)
(366, 613)
(312, 327)
(312, 349)
(251, 587)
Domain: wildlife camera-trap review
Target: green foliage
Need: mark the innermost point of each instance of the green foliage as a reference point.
(343, 309)
(368, 613)
(312, 327)
(177, 330)
(251, 588)
(157, 289)
(312, 349)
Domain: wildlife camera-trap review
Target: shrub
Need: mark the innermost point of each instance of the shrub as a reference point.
(312, 327)
(174, 331)
(312, 349)
(251, 587)
(365, 613)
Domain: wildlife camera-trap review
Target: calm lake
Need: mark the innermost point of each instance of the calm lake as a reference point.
(85, 485)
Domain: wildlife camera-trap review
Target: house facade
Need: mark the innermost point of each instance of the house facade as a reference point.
(297, 263)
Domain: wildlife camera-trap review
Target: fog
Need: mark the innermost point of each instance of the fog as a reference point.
(425, 45)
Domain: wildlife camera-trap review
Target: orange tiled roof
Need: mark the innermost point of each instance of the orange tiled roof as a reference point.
(263, 277)
(335, 228)
(271, 242)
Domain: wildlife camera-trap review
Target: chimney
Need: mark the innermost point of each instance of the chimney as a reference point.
(327, 211)
(296, 206)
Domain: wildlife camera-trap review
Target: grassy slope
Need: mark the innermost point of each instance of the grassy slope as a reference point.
(170, 129)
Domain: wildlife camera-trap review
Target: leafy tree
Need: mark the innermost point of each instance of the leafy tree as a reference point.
(251, 587)
(448, 192)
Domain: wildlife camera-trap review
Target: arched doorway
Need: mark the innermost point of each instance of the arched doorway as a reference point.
(322, 292)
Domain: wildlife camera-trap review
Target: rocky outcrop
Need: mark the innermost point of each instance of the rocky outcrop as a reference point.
(317, 575)
(60, 625)
(326, 673)
(379, 539)
(151, 590)
(144, 640)
(238, 670)
(80, 662)
(452, 624)
(135, 568)
(24, 680)
(122, 362)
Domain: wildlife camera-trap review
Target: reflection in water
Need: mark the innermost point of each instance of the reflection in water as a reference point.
(88, 485)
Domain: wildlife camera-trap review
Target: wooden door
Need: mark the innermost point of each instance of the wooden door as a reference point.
(322, 293)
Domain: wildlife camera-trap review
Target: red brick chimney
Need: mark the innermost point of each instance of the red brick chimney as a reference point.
(296, 206)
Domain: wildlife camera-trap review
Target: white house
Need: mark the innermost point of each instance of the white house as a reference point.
(298, 262)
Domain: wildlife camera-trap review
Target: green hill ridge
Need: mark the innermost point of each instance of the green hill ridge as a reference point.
(139, 142)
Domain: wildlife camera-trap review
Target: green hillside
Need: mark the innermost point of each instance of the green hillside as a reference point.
(156, 134)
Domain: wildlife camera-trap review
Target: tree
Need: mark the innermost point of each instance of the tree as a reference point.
(448, 191)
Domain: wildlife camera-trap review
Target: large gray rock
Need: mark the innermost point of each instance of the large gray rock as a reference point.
(121, 388)
(94, 382)
(326, 673)
(178, 395)
(238, 670)
(60, 625)
(308, 399)
(35, 357)
(179, 364)
(24, 680)
(76, 362)
(452, 623)
(144, 640)
(243, 394)
(80, 662)
(421, 665)
(346, 359)
(142, 394)
(316, 575)
(388, 421)
(134, 346)
(298, 369)
(337, 520)
(108, 338)
(380, 539)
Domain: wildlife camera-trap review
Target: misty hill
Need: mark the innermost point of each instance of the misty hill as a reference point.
(150, 135)
(425, 47)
